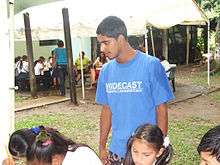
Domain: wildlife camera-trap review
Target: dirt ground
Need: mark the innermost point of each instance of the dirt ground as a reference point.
(203, 106)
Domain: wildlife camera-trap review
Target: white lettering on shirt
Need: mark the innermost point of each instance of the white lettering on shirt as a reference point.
(121, 87)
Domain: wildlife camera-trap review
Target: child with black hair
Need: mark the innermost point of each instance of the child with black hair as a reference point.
(19, 143)
(147, 146)
(49, 147)
(209, 147)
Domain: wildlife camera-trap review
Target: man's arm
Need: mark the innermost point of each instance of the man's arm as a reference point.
(162, 118)
(105, 126)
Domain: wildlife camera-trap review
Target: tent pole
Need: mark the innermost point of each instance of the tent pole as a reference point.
(68, 43)
(209, 55)
(81, 67)
(187, 44)
(165, 44)
(145, 40)
(7, 86)
(152, 40)
(29, 50)
(11, 57)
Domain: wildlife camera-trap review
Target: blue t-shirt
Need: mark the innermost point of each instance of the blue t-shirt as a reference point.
(61, 56)
(132, 91)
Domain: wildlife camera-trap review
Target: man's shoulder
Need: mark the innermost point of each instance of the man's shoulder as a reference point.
(108, 65)
(147, 58)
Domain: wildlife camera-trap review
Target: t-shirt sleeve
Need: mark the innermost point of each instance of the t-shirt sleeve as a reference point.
(101, 94)
(160, 86)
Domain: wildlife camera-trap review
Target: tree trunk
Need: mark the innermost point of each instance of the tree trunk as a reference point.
(217, 41)
(29, 48)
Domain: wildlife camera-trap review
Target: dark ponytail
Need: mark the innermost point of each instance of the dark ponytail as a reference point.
(166, 156)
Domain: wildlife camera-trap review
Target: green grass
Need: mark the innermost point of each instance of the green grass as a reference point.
(201, 79)
(215, 96)
(19, 98)
(184, 134)
(77, 126)
(198, 77)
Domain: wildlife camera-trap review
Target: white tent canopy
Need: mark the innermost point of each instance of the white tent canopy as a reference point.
(86, 15)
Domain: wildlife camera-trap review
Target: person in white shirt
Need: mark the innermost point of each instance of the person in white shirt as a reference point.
(23, 73)
(39, 66)
(165, 64)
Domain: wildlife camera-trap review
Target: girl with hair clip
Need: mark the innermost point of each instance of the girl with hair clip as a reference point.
(20, 141)
(52, 148)
(147, 146)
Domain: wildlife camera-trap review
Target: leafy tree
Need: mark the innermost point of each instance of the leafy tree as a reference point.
(212, 10)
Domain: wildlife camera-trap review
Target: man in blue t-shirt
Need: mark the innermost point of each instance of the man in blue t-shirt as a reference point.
(61, 64)
(132, 88)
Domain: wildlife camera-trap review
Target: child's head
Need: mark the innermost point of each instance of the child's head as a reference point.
(48, 147)
(19, 142)
(146, 146)
(209, 147)
(60, 43)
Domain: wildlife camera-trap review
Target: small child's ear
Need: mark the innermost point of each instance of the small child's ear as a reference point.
(160, 152)
(57, 159)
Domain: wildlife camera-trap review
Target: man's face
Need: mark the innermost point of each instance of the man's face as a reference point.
(109, 46)
(207, 159)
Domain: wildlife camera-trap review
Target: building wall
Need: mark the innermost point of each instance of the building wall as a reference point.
(77, 44)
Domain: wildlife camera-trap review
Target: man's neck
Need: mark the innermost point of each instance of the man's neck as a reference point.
(126, 54)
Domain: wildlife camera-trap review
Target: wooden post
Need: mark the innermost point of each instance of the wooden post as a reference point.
(29, 49)
(187, 44)
(66, 26)
(152, 40)
(165, 43)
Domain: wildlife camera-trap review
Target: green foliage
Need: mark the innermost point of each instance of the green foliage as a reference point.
(212, 6)
(200, 43)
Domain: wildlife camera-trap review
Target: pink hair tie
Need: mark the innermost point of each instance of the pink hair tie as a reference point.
(47, 142)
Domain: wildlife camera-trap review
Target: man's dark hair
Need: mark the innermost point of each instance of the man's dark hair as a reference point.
(112, 26)
(210, 142)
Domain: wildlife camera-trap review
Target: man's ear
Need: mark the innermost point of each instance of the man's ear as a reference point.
(121, 38)
(160, 152)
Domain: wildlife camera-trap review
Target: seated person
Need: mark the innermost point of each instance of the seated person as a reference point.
(23, 73)
(96, 67)
(85, 62)
(209, 147)
(39, 66)
(165, 64)
(48, 146)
